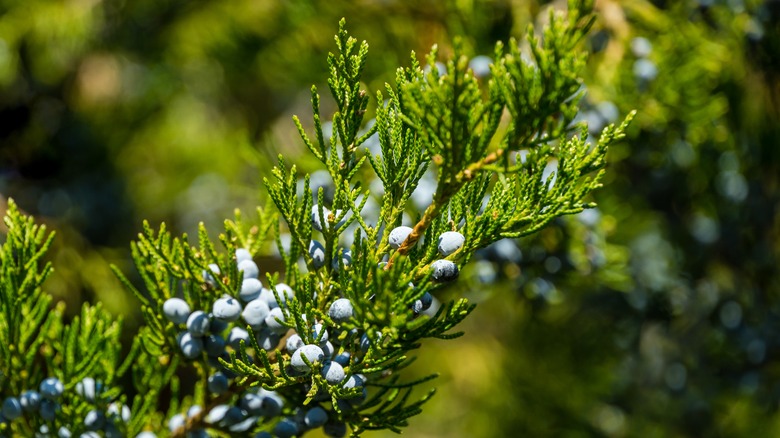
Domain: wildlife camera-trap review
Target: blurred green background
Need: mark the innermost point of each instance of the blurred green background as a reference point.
(658, 314)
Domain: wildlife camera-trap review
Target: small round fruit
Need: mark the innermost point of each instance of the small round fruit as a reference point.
(335, 430)
(176, 310)
(218, 383)
(51, 388)
(315, 417)
(87, 388)
(242, 254)
(317, 253)
(250, 269)
(12, 408)
(250, 289)
(293, 343)
(398, 235)
(333, 372)
(312, 353)
(118, 410)
(255, 313)
(267, 339)
(275, 319)
(191, 346)
(227, 309)
(287, 428)
(252, 403)
(444, 270)
(236, 335)
(449, 242)
(214, 345)
(30, 400)
(319, 333)
(198, 323)
(176, 422)
(341, 310)
(94, 420)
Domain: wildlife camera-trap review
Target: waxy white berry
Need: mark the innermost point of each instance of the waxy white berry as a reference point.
(449, 242)
(313, 353)
(226, 309)
(341, 310)
(176, 310)
(444, 270)
(398, 235)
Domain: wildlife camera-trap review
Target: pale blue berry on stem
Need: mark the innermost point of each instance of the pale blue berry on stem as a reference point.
(315, 417)
(286, 428)
(176, 310)
(333, 372)
(335, 430)
(328, 349)
(250, 289)
(226, 309)
(283, 290)
(242, 254)
(12, 408)
(87, 388)
(51, 388)
(218, 383)
(354, 381)
(198, 323)
(214, 345)
(342, 358)
(94, 420)
(30, 400)
(250, 269)
(252, 403)
(217, 326)
(274, 320)
(176, 422)
(119, 410)
(312, 353)
(191, 346)
(319, 333)
(317, 253)
(294, 342)
(444, 270)
(449, 242)
(255, 313)
(480, 66)
(398, 235)
(236, 335)
(341, 310)
(272, 403)
(267, 339)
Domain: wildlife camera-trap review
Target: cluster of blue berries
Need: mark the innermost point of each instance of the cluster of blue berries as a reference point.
(103, 417)
(449, 242)
(645, 70)
(43, 402)
(263, 311)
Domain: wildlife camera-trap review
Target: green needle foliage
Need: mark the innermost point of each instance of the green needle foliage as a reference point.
(508, 159)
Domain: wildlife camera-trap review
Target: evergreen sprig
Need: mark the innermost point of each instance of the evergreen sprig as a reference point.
(324, 341)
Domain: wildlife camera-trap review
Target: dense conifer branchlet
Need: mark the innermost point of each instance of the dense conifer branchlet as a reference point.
(323, 343)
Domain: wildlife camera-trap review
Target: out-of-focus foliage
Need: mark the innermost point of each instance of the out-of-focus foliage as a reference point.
(655, 315)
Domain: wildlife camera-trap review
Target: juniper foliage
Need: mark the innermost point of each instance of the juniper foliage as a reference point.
(508, 159)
